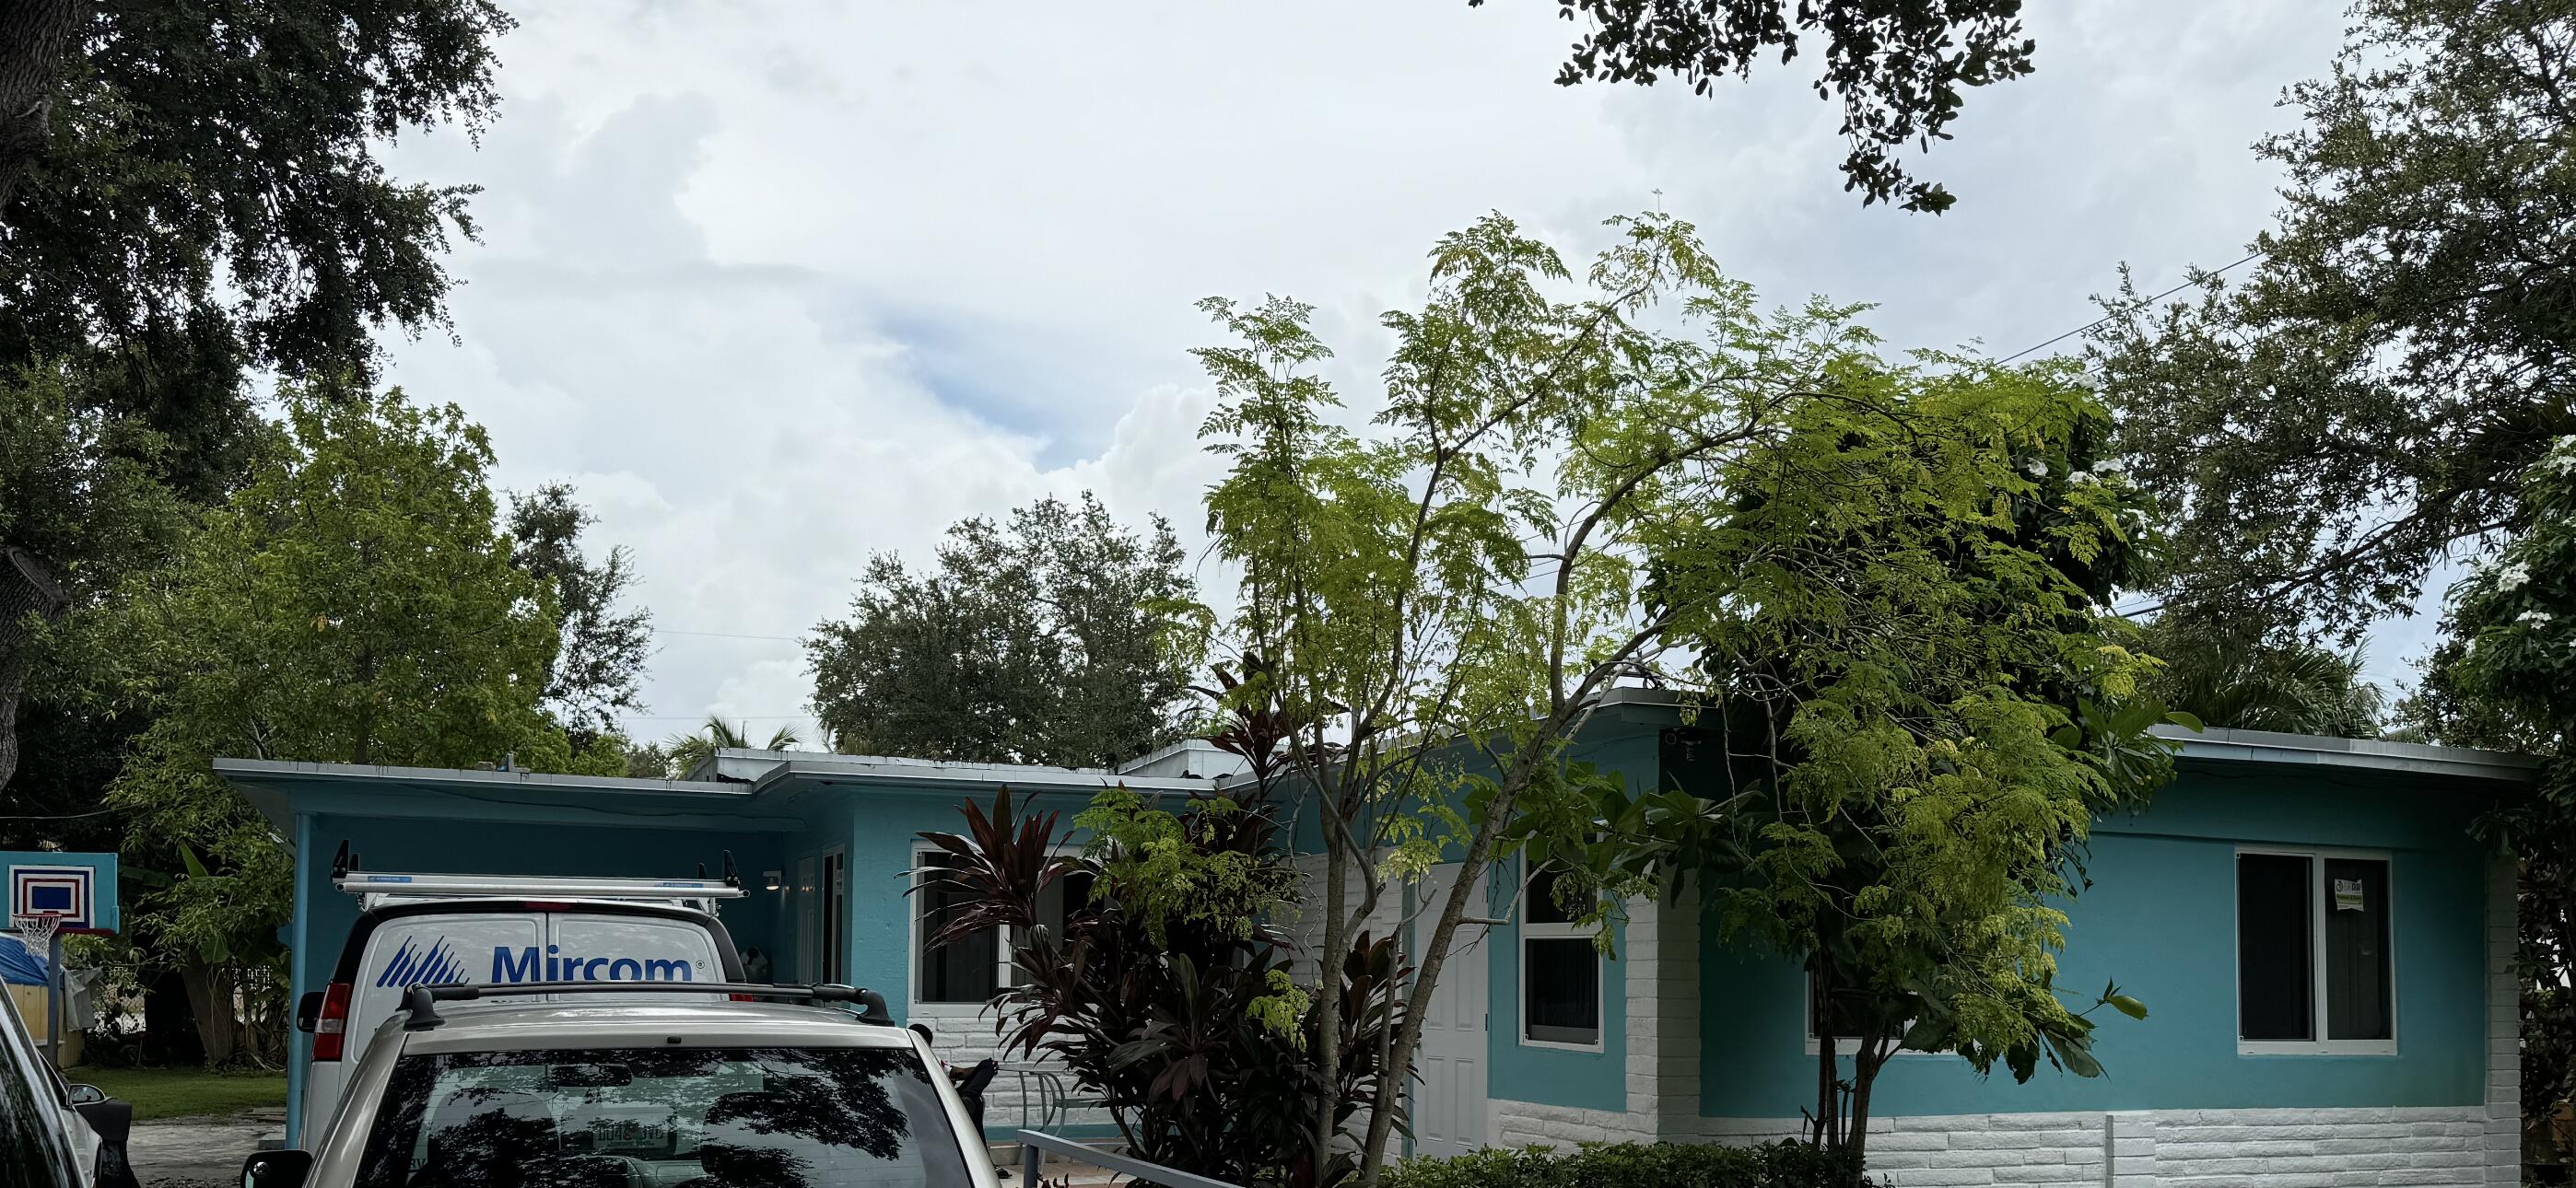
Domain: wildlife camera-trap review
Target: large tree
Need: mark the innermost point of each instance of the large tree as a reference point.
(1897, 68)
(1913, 699)
(1047, 640)
(191, 191)
(2504, 677)
(2367, 397)
(599, 662)
(80, 507)
(355, 603)
(1468, 573)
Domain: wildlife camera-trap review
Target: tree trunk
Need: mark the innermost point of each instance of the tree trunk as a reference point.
(14, 663)
(1820, 1001)
(210, 995)
(1866, 1061)
(1426, 977)
(169, 1021)
(1328, 1020)
(36, 36)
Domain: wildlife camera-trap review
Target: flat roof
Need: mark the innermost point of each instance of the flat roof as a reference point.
(2223, 745)
(747, 782)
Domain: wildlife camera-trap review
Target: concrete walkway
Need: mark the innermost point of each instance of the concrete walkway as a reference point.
(200, 1152)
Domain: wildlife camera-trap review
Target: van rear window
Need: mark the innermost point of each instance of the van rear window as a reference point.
(698, 1117)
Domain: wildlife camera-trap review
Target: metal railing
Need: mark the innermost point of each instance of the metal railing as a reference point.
(1034, 1146)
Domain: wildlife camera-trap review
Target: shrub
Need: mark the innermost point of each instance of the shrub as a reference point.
(1631, 1165)
(1167, 991)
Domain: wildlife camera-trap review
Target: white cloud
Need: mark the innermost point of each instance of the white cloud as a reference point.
(779, 284)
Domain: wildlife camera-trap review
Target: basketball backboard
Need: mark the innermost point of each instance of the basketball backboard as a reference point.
(78, 890)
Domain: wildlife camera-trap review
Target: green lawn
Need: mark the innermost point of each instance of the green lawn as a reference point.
(182, 1092)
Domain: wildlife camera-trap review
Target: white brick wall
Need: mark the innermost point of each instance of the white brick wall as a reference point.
(2504, 1029)
(962, 1034)
(2396, 1148)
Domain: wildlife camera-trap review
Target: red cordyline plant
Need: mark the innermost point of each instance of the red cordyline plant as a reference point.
(1167, 992)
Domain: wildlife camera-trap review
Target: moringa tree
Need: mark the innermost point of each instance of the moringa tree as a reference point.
(1440, 605)
(1912, 700)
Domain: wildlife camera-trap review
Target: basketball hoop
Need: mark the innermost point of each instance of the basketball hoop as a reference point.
(36, 930)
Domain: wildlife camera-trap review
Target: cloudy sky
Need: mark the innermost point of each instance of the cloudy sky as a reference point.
(780, 285)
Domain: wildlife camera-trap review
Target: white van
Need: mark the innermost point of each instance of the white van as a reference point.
(427, 929)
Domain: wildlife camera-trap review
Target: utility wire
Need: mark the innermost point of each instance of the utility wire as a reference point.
(2096, 323)
(729, 635)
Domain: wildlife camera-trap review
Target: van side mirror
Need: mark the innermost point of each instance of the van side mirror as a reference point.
(276, 1169)
(86, 1094)
(308, 1011)
(111, 1120)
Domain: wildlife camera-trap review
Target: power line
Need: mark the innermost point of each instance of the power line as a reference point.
(2202, 279)
(729, 635)
(704, 717)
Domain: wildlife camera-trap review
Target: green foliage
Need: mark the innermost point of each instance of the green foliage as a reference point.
(81, 505)
(2504, 677)
(681, 754)
(1153, 863)
(1542, 513)
(2398, 356)
(189, 192)
(1915, 702)
(600, 660)
(355, 603)
(1632, 1165)
(1166, 991)
(208, 189)
(1897, 69)
(2235, 678)
(1050, 641)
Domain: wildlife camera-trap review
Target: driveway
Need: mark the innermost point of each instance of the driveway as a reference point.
(202, 1152)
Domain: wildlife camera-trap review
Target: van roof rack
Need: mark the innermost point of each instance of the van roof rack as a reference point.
(421, 1002)
(347, 876)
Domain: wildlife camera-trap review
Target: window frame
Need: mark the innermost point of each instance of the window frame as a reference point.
(1844, 1045)
(1006, 971)
(2319, 1009)
(923, 857)
(1520, 992)
(832, 914)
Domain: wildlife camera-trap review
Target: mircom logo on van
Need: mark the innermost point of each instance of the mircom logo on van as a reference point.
(438, 966)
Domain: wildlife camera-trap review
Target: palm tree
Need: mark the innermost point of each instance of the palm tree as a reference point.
(687, 751)
(2228, 678)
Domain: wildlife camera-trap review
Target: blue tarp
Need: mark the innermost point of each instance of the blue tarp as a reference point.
(18, 966)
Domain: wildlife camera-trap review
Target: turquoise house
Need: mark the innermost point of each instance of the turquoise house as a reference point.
(2325, 953)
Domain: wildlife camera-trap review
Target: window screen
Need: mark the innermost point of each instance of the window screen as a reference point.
(1560, 969)
(966, 971)
(1564, 990)
(2275, 894)
(836, 917)
(2357, 972)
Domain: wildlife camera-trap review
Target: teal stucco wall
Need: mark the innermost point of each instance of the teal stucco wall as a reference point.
(1520, 1071)
(2160, 920)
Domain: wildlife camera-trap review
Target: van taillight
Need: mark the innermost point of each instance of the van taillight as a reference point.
(331, 1030)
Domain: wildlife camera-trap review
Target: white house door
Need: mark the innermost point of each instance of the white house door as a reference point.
(1449, 1101)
